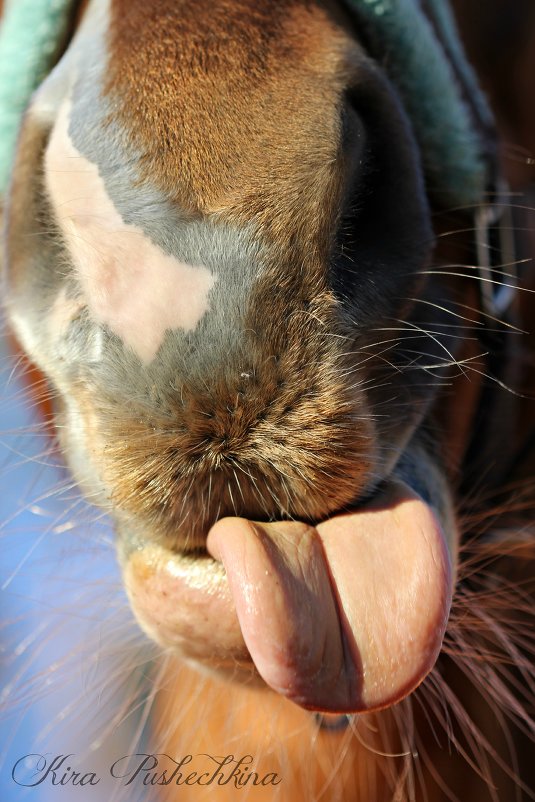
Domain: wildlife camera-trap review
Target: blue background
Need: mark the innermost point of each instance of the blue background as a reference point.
(73, 665)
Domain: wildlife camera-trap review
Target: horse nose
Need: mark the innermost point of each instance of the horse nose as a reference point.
(258, 445)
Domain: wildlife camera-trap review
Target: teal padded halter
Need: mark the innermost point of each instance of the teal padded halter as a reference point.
(30, 34)
(455, 162)
(411, 53)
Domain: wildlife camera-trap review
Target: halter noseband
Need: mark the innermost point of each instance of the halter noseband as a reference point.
(418, 46)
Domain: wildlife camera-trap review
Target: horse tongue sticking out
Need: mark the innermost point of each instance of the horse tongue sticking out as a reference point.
(346, 616)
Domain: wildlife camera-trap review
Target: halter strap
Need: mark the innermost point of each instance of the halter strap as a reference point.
(410, 45)
(422, 55)
(31, 36)
(417, 44)
(495, 251)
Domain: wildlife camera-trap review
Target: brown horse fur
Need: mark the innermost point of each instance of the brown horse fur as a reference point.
(290, 382)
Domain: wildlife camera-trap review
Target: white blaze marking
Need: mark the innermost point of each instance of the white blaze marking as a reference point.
(63, 312)
(128, 282)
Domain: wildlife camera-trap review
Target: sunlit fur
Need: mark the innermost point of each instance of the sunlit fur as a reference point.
(468, 732)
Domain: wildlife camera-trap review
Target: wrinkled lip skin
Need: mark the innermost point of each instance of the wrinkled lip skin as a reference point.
(347, 616)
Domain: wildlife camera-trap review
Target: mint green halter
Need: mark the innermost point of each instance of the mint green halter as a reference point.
(412, 55)
(31, 32)
(428, 66)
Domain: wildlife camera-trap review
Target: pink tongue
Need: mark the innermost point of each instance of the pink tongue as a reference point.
(347, 616)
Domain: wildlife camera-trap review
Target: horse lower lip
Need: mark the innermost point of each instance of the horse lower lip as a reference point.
(346, 616)
(184, 603)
